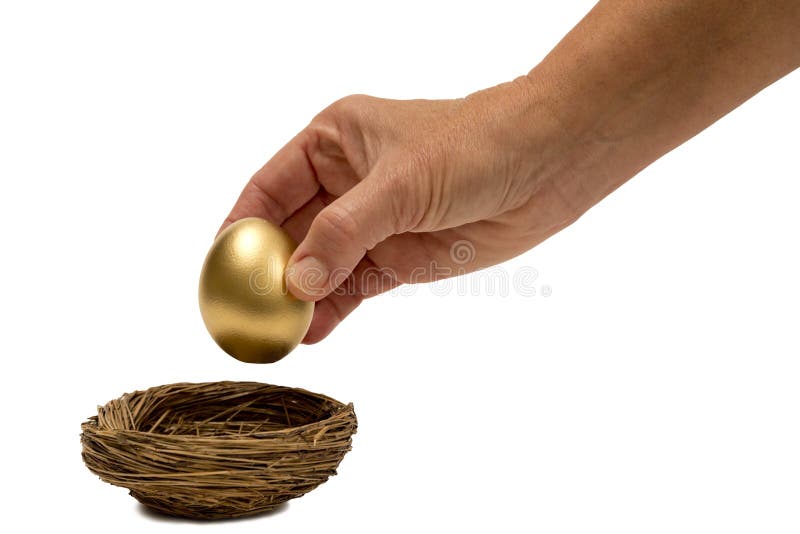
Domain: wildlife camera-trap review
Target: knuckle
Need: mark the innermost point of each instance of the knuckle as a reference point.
(351, 102)
(337, 224)
(344, 125)
(274, 210)
(347, 106)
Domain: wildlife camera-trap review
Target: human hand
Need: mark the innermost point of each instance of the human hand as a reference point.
(384, 192)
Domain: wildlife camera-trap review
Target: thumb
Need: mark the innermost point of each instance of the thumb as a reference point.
(338, 238)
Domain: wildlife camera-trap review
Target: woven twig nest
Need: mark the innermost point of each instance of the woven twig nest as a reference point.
(219, 449)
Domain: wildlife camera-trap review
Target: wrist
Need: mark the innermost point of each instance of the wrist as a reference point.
(541, 144)
(521, 134)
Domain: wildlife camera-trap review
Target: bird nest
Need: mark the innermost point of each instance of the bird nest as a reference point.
(219, 449)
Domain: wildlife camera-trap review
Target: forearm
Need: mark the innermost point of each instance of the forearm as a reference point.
(635, 79)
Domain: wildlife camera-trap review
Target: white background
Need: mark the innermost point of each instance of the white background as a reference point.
(655, 390)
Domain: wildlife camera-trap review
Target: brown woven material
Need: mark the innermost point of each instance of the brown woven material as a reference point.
(218, 449)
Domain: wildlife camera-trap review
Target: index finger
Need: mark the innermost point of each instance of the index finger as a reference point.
(281, 187)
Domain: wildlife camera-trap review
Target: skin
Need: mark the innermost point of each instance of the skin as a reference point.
(383, 192)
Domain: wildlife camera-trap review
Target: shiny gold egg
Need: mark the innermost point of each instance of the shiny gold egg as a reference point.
(243, 296)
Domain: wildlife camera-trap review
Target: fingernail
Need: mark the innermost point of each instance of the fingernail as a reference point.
(308, 275)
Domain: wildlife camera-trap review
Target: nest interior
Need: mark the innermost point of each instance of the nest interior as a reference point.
(218, 449)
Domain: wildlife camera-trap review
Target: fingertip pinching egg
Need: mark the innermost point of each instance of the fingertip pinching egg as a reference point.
(244, 300)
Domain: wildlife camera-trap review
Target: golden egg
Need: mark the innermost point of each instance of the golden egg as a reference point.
(243, 296)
